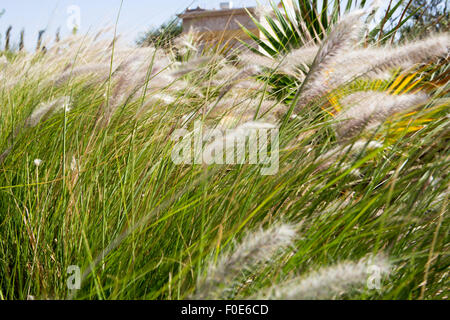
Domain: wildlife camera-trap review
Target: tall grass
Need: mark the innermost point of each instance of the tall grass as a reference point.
(86, 178)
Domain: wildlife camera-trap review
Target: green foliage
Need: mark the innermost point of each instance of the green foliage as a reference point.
(162, 36)
(427, 16)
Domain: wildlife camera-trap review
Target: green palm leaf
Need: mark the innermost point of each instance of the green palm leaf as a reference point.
(311, 20)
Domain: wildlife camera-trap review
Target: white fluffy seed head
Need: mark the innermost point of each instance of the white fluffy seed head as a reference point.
(258, 247)
(46, 109)
(343, 38)
(334, 281)
(37, 162)
(365, 110)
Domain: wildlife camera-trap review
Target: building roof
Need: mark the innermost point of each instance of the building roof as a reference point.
(194, 10)
(201, 13)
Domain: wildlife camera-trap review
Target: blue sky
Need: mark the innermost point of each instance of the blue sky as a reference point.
(136, 15)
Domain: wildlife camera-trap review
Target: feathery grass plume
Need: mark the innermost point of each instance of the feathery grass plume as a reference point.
(225, 73)
(155, 99)
(89, 69)
(238, 135)
(421, 51)
(342, 38)
(246, 73)
(3, 61)
(370, 108)
(114, 101)
(335, 206)
(46, 110)
(250, 85)
(257, 125)
(288, 64)
(5, 154)
(138, 73)
(377, 62)
(255, 248)
(167, 99)
(186, 43)
(269, 110)
(303, 56)
(262, 11)
(332, 282)
(188, 67)
(330, 157)
(144, 84)
(243, 109)
(250, 58)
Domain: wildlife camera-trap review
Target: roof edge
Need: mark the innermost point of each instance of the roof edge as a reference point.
(212, 13)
